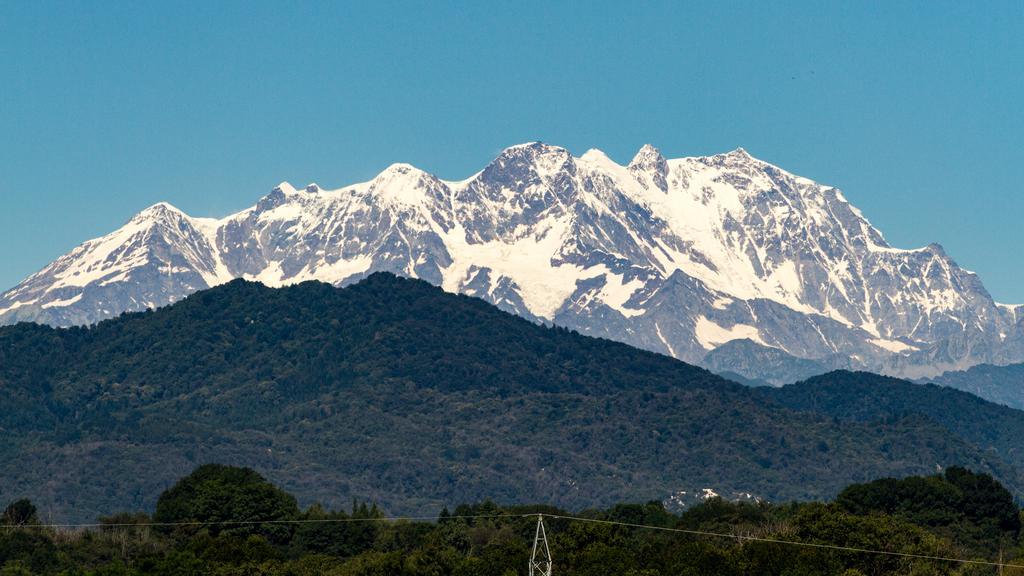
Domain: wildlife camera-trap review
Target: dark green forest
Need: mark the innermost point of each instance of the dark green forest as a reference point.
(395, 392)
(1002, 384)
(865, 397)
(223, 520)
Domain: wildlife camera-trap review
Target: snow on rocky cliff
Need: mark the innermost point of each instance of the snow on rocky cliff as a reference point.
(678, 256)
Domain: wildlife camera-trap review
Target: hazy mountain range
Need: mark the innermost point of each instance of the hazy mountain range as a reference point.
(679, 256)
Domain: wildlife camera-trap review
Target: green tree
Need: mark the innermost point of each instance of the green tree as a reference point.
(337, 533)
(20, 513)
(31, 549)
(16, 569)
(972, 508)
(229, 500)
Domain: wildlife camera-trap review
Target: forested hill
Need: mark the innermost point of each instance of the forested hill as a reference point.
(396, 392)
(1002, 384)
(866, 397)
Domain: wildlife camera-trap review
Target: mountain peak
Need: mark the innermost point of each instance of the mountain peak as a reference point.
(400, 174)
(647, 151)
(284, 188)
(522, 162)
(533, 151)
(163, 207)
(596, 155)
(277, 197)
(158, 211)
(534, 148)
(400, 168)
(402, 183)
(739, 155)
(649, 167)
(649, 158)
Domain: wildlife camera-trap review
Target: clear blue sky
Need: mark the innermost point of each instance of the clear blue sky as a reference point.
(913, 109)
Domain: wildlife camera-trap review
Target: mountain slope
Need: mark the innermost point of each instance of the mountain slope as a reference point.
(1000, 384)
(158, 257)
(753, 363)
(676, 256)
(396, 391)
(864, 397)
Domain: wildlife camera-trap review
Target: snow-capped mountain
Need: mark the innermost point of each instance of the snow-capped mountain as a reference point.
(678, 256)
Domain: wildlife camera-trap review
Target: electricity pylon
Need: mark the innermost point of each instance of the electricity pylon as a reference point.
(540, 559)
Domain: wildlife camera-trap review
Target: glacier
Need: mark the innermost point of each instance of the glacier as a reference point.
(685, 256)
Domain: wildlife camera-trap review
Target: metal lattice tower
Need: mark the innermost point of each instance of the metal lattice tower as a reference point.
(540, 559)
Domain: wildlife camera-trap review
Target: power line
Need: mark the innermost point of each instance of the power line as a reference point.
(819, 546)
(790, 542)
(256, 522)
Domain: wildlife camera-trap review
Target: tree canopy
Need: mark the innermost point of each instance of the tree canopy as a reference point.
(488, 539)
(214, 493)
(973, 507)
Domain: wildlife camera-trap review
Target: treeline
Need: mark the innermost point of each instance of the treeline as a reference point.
(223, 520)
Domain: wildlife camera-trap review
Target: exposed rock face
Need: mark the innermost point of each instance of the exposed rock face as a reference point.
(678, 256)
